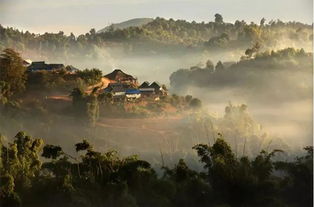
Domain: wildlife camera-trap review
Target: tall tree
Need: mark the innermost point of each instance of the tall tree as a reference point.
(219, 18)
(219, 66)
(12, 71)
(262, 22)
(210, 65)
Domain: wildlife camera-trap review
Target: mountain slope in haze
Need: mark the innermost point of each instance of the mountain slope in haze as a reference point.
(137, 22)
(269, 77)
(160, 36)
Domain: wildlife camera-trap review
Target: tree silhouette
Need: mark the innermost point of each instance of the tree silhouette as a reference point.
(12, 73)
(218, 19)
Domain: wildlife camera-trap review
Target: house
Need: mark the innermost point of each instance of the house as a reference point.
(41, 65)
(71, 68)
(146, 90)
(125, 87)
(132, 94)
(156, 86)
(119, 76)
(122, 91)
(144, 85)
(117, 90)
(159, 90)
(152, 89)
(116, 87)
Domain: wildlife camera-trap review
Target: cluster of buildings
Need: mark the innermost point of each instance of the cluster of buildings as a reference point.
(122, 86)
(125, 87)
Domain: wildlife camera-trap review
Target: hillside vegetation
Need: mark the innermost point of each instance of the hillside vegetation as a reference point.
(93, 178)
(269, 76)
(159, 36)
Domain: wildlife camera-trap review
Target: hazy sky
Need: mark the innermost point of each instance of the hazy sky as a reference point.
(80, 16)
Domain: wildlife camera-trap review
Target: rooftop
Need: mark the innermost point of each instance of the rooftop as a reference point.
(118, 75)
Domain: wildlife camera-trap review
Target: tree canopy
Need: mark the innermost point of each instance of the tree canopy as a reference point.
(12, 73)
(98, 178)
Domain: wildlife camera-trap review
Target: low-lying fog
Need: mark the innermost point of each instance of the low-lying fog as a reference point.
(291, 121)
(171, 138)
(277, 88)
(152, 67)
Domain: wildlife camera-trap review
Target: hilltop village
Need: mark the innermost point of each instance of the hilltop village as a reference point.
(116, 94)
(122, 86)
(125, 87)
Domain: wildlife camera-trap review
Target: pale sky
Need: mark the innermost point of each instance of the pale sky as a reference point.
(79, 16)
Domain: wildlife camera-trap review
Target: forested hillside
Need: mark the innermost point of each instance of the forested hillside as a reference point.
(269, 76)
(161, 35)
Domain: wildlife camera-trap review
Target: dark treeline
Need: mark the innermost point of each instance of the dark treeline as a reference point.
(156, 36)
(92, 178)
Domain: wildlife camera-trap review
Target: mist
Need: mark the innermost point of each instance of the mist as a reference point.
(278, 99)
(185, 109)
(278, 93)
(283, 119)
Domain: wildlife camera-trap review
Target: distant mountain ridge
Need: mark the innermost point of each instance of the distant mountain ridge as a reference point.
(160, 36)
(137, 22)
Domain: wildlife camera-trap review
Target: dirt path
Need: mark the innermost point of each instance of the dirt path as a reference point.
(65, 97)
(104, 82)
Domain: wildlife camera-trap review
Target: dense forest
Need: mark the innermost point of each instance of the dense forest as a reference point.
(92, 178)
(159, 36)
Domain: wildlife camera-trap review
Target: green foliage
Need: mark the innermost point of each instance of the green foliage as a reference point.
(52, 81)
(210, 65)
(262, 22)
(20, 166)
(239, 182)
(4, 92)
(82, 146)
(92, 76)
(51, 151)
(195, 103)
(219, 66)
(158, 35)
(188, 98)
(96, 178)
(92, 109)
(298, 179)
(250, 51)
(12, 74)
(221, 41)
(86, 106)
(218, 19)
